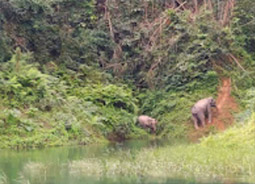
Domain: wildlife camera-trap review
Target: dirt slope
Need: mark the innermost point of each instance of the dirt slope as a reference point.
(223, 117)
(226, 105)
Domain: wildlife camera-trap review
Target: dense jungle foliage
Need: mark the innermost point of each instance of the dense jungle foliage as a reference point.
(81, 71)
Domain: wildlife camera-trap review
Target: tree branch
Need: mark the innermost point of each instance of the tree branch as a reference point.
(237, 62)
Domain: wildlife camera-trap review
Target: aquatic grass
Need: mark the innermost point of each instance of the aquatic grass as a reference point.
(34, 170)
(3, 178)
(90, 166)
(37, 172)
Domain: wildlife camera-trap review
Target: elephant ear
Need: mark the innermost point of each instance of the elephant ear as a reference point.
(151, 121)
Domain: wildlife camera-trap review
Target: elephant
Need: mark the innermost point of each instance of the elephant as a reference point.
(201, 109)
(147, 122)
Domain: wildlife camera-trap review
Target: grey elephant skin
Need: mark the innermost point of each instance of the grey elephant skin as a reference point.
(201, 110)
(147, 122)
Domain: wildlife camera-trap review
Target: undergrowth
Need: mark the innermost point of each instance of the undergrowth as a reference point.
(40, 109)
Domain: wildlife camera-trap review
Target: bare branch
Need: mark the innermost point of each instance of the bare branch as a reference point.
(236, 61)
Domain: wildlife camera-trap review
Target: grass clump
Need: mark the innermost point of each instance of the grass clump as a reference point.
(3, 178)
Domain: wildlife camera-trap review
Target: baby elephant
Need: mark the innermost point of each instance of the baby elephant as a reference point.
(147, 122)
(202, 109)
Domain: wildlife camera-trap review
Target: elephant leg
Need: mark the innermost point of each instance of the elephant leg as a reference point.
(143, 126)
(209, 112)
(194, 118)
(201, 117)
(153, 128)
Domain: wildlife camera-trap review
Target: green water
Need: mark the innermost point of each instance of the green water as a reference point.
(52, 165)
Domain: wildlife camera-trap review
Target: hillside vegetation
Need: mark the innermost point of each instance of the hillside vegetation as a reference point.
(81, 71)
